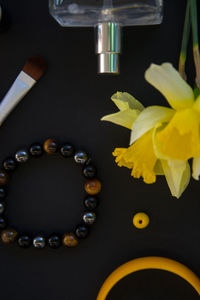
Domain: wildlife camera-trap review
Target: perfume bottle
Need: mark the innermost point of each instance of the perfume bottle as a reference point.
(108, 17)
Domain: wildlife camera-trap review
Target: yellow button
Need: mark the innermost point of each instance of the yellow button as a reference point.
(140, 220)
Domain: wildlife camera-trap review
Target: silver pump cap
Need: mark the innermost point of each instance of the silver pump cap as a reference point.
(108, 47)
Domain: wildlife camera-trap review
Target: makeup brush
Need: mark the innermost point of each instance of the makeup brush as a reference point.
(30, 74)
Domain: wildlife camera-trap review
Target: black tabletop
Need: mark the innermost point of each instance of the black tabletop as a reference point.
(46, 195)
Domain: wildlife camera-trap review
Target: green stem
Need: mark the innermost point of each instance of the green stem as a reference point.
(196, 53)
(185, 40)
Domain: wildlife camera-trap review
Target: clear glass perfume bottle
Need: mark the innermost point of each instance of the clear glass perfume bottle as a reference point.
(107, 16)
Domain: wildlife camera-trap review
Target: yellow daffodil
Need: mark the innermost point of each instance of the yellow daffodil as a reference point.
(179, 140)
(162, 139)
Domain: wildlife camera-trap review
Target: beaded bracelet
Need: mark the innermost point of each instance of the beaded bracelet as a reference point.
(92, 187)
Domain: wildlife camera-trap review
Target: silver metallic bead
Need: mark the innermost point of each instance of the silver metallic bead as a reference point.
(89, 218)
(21, 156)
(80, 157)
(39, 242)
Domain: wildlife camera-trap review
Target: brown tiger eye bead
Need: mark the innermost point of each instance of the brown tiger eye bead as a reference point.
(50, 146)
(3, 177)
(92, 186)
(8, 236)
(70, 240)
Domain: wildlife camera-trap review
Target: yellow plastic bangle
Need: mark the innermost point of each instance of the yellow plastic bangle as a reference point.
(145, 263)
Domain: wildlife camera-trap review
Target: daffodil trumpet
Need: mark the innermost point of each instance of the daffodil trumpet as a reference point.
(162, 139)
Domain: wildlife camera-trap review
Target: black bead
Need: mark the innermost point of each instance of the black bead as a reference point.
(91, 202)
(36, 150)
(81, 231)
(80, 157)
(1, 208)
(2, 223)
(89, 171)
(2, 193)
(89, 218)
(9, 164)
(39, 242)
(54, 241)
(21, 156)
(67, 150)
(24, 241)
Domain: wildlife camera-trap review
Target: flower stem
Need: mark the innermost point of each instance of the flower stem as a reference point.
(185, 40)
(196, 53)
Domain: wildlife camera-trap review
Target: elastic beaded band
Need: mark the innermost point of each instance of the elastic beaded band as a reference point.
(92, 187)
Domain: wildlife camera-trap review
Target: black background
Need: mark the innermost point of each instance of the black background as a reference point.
(46, 195)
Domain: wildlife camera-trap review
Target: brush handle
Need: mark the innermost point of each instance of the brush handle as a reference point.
(18, 90)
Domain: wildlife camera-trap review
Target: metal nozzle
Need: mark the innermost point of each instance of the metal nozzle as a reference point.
(108, 47)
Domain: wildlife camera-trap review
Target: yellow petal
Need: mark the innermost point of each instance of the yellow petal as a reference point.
(148, 119)
(169, 82)
(177, 174)
(124, 101)
(180, 139)
(140, 158)
(124, 118)
(196, 168)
